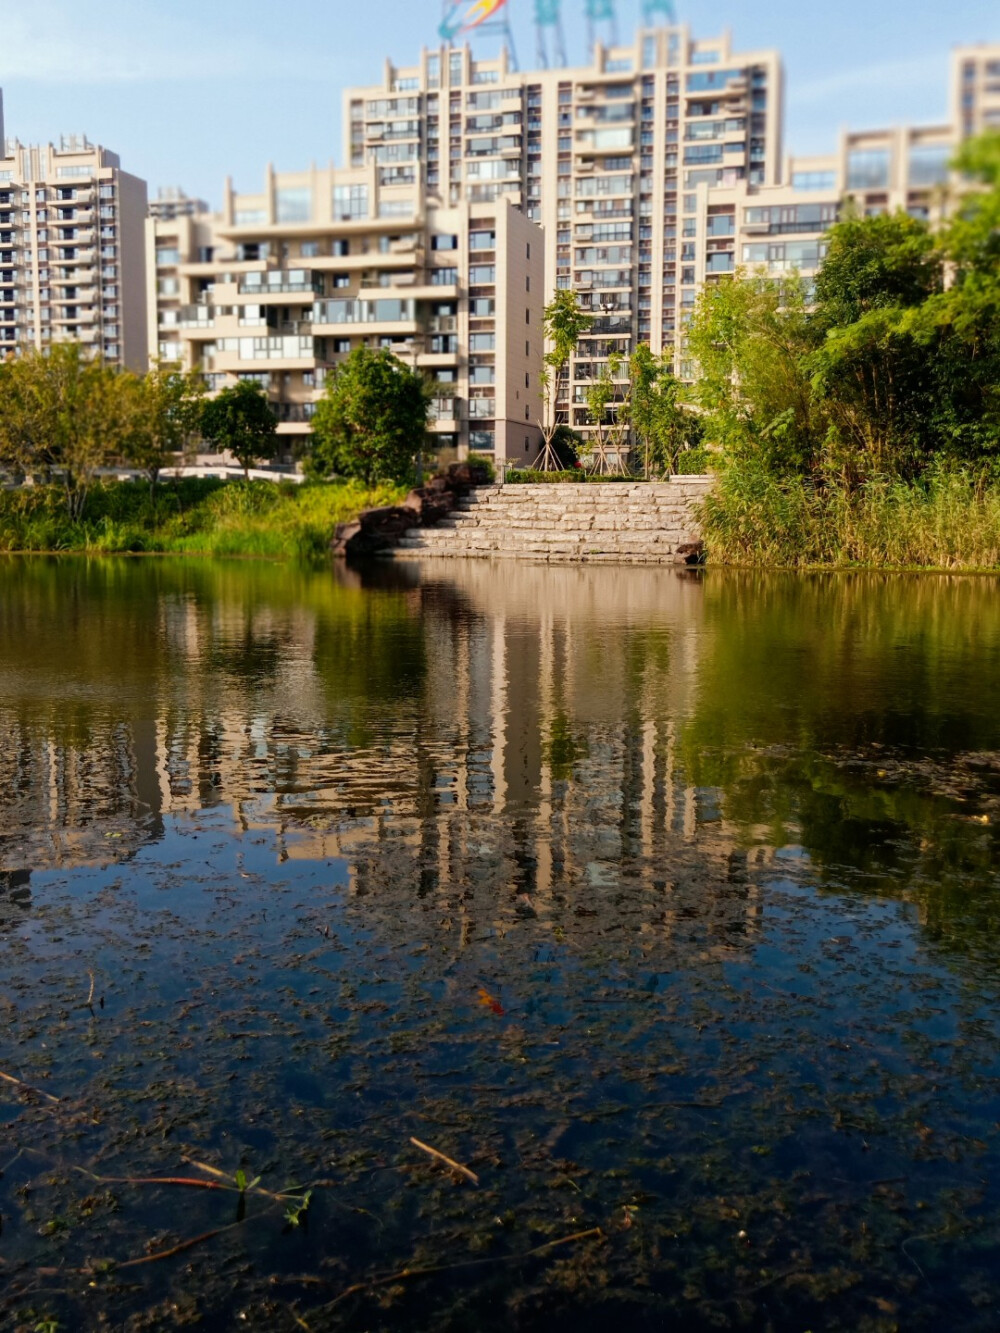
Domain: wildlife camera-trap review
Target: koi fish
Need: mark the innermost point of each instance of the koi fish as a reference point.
(490, 1002)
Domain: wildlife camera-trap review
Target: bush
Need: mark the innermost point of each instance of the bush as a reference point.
(949, 520)
(532, 476)
(693, 462)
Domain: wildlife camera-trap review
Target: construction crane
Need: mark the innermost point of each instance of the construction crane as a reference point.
(654, 11)
(462, 17)
(602, 21)
(548, 27)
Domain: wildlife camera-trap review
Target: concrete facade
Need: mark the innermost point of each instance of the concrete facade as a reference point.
(282, 285)
(72, 250)
(603, 157)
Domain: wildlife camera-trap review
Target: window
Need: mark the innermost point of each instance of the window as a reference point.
(309, 249)
(868, 169)
(167, 256)
(482, 273)
(444, 277)
(482, 240)
(814, 180)
(929, 164)
(444, 242)
(395, 208)
(293, 205)
(350, 202)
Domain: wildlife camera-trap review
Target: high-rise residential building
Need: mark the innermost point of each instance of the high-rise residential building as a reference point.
(172, 202)
(975, 89)
(72, 253)
(282, 285)
(635, 181)
(606, 158)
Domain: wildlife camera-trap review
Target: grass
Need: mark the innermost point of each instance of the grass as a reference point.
(195, 516)
(949, 520)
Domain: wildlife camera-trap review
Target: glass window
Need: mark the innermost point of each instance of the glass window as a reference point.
(309, 249)
(294, 205)
(444, 242)
(929, 164)
(814, 180)
(168, 256)
(350, 202)
(868, 169)
(250, 217)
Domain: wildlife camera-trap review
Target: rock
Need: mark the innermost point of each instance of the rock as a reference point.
(690, 553)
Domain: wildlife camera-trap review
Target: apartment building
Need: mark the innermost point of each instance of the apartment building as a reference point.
(604, 158)
(72, 251)
(172, 202)
(282, 285)
(975, 89)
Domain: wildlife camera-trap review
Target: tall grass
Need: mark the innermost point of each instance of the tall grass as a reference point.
(949, 520)
(195, 516)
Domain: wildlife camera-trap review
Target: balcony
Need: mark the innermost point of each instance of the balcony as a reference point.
(196, 317)
(279, 283)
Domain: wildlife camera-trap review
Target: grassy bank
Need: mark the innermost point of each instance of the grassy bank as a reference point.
(951, 520)
(195, 516)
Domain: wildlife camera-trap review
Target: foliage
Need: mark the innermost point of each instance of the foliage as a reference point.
(750, 338)
(823, 404)
(949, 519)
(193, 516)
(165, 414)
(372, 420)
(239, 421)
(564, 323)
(63, 414)
(527, 476)
(609, 408)
(487, 463)
(662, 424)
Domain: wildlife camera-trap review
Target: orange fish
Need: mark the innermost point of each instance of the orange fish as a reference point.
(490, 1002)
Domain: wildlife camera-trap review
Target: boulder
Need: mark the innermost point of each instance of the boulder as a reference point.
(690, 553)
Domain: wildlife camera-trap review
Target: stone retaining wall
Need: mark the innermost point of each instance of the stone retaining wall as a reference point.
(637, 522)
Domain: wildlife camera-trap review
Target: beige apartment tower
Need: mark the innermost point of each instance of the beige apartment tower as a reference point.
(283, 285)
(72, 250)
(605, 158)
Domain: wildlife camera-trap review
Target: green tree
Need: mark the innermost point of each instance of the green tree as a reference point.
(166, 412)
(608, 405)
(239, 420)
(873, 376)
(372, 420)
(659, 420)
(564, 323)
(750, 338)
(65, 415)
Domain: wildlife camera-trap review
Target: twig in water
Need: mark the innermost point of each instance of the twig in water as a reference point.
(455, 1166)
(464, 1263)
(90, 997)
(19, 1083)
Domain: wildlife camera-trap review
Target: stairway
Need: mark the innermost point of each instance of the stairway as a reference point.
(637, 522)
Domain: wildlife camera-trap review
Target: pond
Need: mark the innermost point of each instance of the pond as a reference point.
(488, 947)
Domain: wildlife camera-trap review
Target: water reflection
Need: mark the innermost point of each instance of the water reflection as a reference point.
(547, 729)
(670, 898)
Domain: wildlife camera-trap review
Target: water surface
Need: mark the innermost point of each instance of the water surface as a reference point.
(665, 903)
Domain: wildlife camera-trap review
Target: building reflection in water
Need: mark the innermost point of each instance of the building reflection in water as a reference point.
(513, 731)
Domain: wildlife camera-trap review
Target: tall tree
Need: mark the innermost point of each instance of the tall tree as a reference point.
(372, 420)
(240, 421)
(659, 420)
(564, 323)
(166, 412)
(64, 415)
(750, 338)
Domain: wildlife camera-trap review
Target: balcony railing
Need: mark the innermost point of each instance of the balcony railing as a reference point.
(277, 282)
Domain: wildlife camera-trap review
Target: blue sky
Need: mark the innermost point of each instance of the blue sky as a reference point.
(189, 91)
